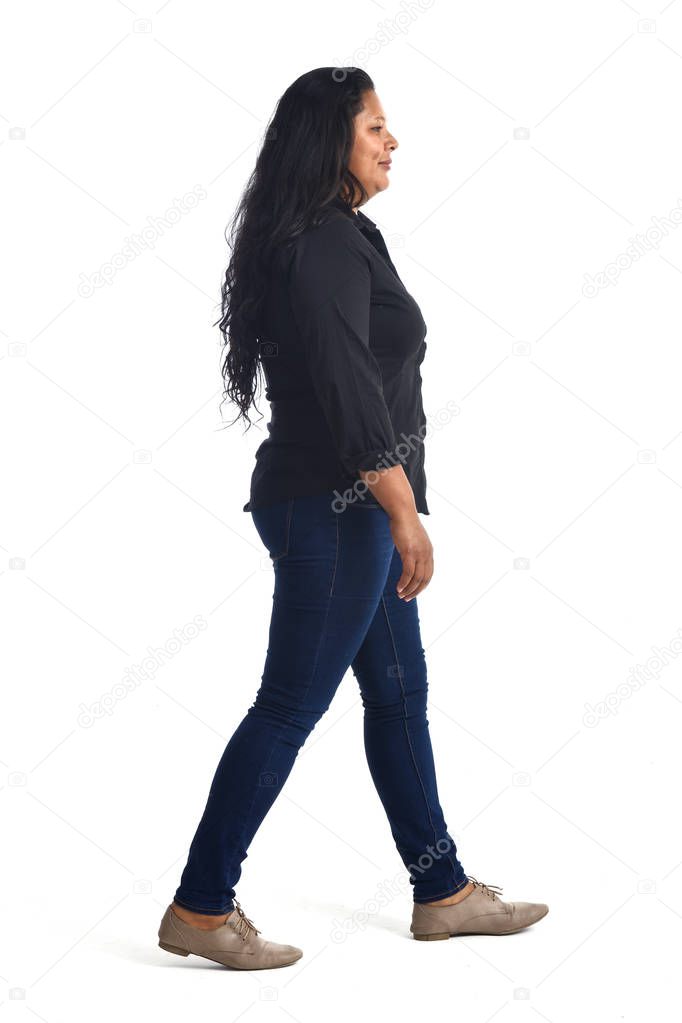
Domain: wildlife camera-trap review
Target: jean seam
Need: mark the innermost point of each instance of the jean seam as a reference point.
(283, 725)
(407, 733)
(336, 562)
(203, 909)
(326, 615)
(287, 530)
(443, 895)
(312, 676)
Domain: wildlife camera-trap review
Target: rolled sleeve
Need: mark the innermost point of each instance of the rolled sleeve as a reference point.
(330, 291)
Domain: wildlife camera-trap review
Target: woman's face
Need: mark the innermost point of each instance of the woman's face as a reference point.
(371, 154)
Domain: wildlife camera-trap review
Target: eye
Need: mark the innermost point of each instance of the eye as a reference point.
(377, 127)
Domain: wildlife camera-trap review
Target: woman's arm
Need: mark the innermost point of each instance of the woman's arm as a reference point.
(330, 291)
(330, 288)
(392, 490)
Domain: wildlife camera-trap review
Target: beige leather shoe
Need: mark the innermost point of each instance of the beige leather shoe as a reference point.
(234, 943)
(479, 912)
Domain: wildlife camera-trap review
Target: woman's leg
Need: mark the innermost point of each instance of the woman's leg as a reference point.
(330, 572)
(390, 667)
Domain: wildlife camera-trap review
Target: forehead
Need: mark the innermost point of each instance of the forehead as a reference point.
(372, 109)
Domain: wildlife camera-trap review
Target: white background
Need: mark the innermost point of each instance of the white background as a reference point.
(536, 140)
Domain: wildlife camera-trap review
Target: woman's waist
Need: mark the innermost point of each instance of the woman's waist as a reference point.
(295, 419)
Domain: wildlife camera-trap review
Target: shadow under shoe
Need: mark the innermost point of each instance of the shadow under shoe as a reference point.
(235, 943)
(479, 912)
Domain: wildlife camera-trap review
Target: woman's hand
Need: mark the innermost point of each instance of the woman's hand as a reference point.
(416, 553)
(392, 490)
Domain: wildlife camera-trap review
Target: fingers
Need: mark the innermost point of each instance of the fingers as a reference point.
(416, 585)
(416, 576)
(409, 566)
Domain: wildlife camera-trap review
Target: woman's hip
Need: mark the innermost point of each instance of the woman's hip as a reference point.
(322, 551)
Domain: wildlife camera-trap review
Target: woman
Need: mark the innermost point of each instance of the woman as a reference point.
(313, 300)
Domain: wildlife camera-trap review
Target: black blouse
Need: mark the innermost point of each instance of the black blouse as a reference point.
(341, 346)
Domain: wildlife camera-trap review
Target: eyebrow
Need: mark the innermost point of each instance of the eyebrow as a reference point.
(378, 117)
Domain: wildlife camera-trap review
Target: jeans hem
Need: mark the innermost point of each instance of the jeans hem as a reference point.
(203, 909)
(444, 895)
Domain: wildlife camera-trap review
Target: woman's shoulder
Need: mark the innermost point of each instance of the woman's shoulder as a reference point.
(327, 222)
(331, 237)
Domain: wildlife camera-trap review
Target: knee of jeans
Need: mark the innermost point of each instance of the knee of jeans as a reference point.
(410, 705)
(299, 718)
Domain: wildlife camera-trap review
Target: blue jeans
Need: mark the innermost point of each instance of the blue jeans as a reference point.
(334, 607)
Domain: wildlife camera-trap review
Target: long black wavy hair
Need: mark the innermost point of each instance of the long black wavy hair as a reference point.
(302, 165)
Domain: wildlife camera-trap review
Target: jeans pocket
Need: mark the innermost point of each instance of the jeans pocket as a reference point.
(273, 525)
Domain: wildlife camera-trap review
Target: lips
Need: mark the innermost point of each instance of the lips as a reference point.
(385, 163)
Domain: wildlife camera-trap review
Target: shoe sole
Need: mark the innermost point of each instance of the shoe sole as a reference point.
(464, 934)
(183, 952)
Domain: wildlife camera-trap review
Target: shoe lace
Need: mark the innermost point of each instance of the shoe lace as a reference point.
(242, 925)
(487, 889)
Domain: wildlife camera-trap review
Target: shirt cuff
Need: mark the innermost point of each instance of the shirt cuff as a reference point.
(369, 460)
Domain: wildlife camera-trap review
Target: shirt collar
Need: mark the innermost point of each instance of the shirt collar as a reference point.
(360, 219)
